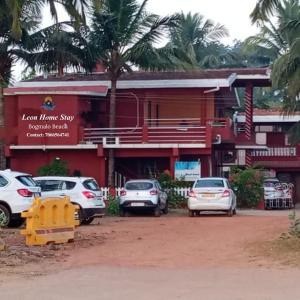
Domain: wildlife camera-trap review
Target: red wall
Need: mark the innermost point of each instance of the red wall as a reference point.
(29, 161)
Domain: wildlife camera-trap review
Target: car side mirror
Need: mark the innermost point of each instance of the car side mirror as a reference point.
(235, 189)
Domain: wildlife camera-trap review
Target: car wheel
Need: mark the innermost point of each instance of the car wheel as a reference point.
(87, 221)
(81, 216)
(234, 211)
(230, 212)
(157, 211)
(191, 213)
(198, 213)
(121, 212)
(16, 222)
(166, 209)
(4, 216)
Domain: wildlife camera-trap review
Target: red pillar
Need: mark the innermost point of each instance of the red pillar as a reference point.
(102, 166)
(249, 120)
(173, 158)
(249, 111)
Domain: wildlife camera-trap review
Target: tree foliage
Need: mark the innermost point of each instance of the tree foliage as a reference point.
(248, 184)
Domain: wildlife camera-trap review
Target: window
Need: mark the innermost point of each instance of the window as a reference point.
(209, 183)
(49, 185)
(3, 181)
(138, 186)
(69, 185)
(91, 184)
(26, 180)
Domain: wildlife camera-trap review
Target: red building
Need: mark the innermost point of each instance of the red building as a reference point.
(162, 117)
(272, 149)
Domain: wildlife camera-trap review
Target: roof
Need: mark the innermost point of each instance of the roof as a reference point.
(269, 116)
(212, 80)
(201, 74)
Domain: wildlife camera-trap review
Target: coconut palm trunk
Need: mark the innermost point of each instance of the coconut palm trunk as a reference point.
(112, 124)
(2, 144)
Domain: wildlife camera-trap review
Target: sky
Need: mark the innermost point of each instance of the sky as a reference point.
(233, 14)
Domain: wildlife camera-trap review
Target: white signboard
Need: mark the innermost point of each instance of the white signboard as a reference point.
(187, 170)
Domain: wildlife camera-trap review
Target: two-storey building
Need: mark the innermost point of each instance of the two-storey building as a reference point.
(162, 117)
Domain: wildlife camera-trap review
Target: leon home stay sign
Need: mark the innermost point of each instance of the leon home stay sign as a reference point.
(48, 121)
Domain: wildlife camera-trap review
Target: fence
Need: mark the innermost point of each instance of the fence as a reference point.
(181, 191)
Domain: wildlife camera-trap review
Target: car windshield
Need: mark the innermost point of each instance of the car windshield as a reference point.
(26, 180)
(91, 184)
(139, 186)
(270, 183)
(209, 183)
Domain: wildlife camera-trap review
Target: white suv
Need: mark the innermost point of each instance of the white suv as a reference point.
(83, 191)
(17, 192)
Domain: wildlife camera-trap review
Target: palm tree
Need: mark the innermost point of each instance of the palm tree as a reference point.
(16, 18)
(123, 35)
(264, 9)
(54, 48)
(284, 42)
(196, 40)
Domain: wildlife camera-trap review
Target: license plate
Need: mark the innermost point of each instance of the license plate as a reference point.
(208, 195)
(137, 204)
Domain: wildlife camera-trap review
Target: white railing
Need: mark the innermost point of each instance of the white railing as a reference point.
(276, 151)
(175, 122)
(181, 191)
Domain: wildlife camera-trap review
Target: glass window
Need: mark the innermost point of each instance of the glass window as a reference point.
(26, 180)
(91, 184)
(138, 186)
(209, 183)
(49, 185)
(69, 185)
(3, 181)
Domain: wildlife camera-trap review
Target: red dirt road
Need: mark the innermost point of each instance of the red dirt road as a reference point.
(172, 257)
(180, 242)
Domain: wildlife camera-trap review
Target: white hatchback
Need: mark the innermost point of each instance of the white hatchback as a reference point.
(211, 194)
(83, 191)
(143, 194)
(17, 192)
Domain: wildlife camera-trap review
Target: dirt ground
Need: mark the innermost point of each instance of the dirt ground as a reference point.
(174, 242)
(170, 241)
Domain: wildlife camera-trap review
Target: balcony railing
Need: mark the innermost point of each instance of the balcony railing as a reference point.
(155, 131)
(152, 135)
(275, 151)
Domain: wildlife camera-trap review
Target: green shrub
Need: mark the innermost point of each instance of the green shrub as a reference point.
(248, 184)
(168, 184)
(57, 167)
(112, 205)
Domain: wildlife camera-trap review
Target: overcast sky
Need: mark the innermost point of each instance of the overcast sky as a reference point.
(234, 14)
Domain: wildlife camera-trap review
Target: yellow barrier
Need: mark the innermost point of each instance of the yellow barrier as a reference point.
(50, 221)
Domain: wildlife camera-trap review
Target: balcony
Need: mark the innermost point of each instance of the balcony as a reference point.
(275, 152)
(155, 133)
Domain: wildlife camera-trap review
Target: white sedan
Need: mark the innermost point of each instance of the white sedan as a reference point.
(211, 194)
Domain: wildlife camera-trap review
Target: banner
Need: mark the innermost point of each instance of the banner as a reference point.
(187, 170)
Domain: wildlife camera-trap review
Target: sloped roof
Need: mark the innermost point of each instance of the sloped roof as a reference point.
(174, 75)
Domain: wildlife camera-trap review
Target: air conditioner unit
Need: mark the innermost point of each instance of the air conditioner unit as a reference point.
(111, 140)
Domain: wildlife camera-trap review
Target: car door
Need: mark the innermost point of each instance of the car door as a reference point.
(161, 194)
(50, 187)
(232, 194)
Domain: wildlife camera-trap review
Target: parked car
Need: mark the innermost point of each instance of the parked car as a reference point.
(211, 194)
(272, 189)
(17, 192)
(143, 195)
(83, 191)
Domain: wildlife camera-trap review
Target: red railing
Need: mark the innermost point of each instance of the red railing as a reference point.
(157, 131)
